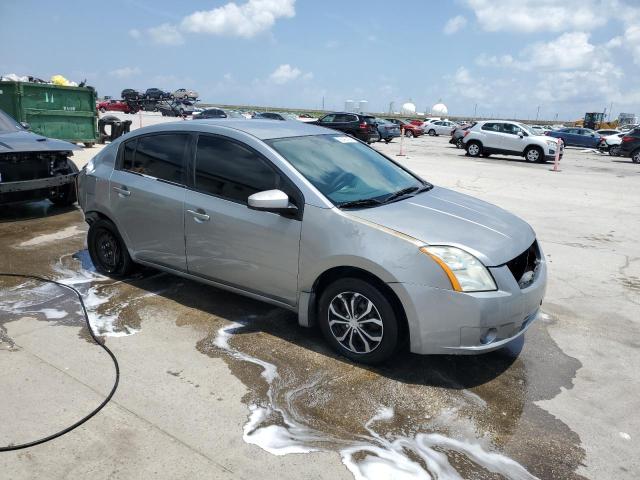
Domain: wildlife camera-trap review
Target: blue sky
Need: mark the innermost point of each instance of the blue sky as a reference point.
(504, 56)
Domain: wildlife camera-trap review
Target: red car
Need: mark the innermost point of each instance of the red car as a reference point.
(410, 130)
(114, 106)
(417, 123)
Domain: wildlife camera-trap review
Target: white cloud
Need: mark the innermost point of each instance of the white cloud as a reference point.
(632, 41)
(135, 33)
(286, 73)
(464, 85)
(165, 34)
(454, 24)
(125, 72)
(245, 20)
(526, 16)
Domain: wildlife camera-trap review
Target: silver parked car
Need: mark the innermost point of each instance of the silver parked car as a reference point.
(317, 222)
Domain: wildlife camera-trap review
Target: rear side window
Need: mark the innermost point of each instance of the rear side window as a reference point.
(329, 118)
(230, 170)
(493, 127)
(159, 156)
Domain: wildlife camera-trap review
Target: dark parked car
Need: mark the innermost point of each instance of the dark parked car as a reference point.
(387, 131)
(410, 130)
(33, 167)
(130, 94)
(630, 146)
(457, 134)
(577, 137)
(363, 127)
(217, 113)
(156, 94)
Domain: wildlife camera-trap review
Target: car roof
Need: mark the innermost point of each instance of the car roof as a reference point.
(262, 129)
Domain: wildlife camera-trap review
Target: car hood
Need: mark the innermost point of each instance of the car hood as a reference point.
(31, 142)
(444, 217)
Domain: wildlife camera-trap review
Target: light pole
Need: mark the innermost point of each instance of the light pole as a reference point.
(537, 113)
(475, 110)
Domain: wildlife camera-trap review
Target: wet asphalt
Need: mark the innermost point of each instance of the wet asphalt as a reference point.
(505, 414)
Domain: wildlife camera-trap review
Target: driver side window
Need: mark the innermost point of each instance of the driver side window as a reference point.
(230, 170)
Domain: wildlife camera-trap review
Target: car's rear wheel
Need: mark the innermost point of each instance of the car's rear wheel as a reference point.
(534, 155)
(459, 143)
(358, 321)
(432, 133)
(107, 249)
(474, 149)
(635, 156)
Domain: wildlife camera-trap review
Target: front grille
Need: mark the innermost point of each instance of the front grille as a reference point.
(524, 266)
(15, 167)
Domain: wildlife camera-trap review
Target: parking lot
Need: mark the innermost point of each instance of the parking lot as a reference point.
(214, 385)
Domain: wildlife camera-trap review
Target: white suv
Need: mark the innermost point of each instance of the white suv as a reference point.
(510, 138)
(439, 127)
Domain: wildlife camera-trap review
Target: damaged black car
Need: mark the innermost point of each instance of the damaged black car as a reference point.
(33, 167)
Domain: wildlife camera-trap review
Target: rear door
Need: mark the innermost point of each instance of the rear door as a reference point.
(147, 191)
(226, 241)
(492, 135)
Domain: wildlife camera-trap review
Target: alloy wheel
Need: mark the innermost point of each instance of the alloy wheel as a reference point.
(355, 322)
(533, 155)
(473, 150)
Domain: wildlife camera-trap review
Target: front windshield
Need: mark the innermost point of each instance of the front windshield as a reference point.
(8, 124)
(344, 169)
(527, 129)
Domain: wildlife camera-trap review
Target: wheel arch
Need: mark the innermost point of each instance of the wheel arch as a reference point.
(334, 273)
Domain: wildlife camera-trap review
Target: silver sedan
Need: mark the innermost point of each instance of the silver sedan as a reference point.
(317, 222)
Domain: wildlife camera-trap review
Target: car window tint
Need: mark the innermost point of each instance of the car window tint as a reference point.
(328, 119)
(128, 154)
(159, 156)
(495, 127)
(230, 170)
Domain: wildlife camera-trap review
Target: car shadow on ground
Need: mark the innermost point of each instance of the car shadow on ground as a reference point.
(445, 371)
(19, 211)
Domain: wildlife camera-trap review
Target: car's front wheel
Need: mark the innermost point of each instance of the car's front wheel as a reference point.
(432, 133)
(358, 321)
(614, 150)
(408, 133)
(534, 155)
(107, 249)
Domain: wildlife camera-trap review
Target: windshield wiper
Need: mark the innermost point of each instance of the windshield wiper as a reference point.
(364, 203)
(407, 191)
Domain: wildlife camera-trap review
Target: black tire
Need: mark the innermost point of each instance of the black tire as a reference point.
(432, 133)
(459, 143)
(534, 155)
(107, 249)
(614, 150)
(102, 109)
(408, 133)
(385, 337)
(387, 140)
(65, 195)
(635, 156)
(89, 144)
(474, 149)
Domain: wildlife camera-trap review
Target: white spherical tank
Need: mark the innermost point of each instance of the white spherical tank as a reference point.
(440, 110)
(408, 108)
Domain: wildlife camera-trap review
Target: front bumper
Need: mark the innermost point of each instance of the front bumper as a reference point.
(37, 184)
(449, 322)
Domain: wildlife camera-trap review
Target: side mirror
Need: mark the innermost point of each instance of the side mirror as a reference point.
(275, 201)
(521, 134)
(25, 125)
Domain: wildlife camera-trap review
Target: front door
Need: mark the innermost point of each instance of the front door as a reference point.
(147, 197)
(511, 141)
(225, 240)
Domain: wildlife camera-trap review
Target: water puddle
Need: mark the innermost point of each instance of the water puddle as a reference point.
(420, 422)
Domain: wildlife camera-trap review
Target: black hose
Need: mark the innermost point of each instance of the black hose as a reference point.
(10, 448)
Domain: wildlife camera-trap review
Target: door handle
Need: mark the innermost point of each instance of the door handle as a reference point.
(199, 216)
(122, 191)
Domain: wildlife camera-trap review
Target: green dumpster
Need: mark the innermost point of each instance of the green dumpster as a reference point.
(66, 113)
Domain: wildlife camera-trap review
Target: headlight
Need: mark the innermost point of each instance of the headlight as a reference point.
(90, 167)
(466, 273)
(551, 143)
